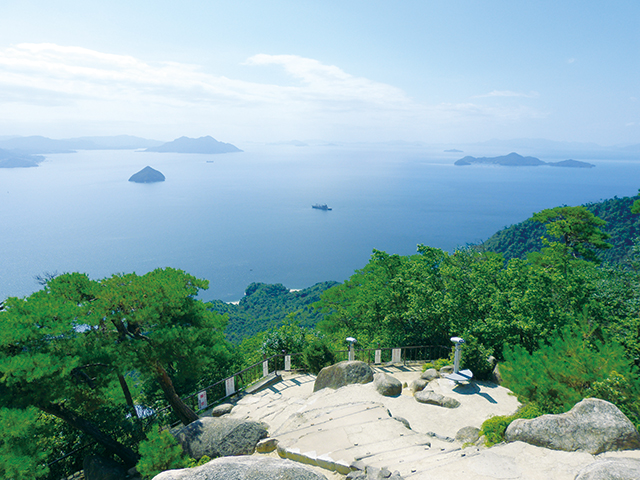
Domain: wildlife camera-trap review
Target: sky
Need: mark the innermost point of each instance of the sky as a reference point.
(261, 71)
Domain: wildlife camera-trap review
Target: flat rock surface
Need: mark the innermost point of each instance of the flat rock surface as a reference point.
(355, 423)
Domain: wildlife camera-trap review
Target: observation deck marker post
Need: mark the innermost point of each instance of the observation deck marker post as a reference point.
(458, 375)
(352, 353)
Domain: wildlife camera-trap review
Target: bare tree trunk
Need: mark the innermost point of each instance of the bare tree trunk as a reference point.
(128, 456)
(181, 409)
(127, 394)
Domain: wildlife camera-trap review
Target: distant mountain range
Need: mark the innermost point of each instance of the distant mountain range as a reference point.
(195, 145)
(515, 160)
(20, 152)
(44, 145)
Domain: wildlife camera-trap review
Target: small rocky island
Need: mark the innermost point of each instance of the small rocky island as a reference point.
(10, 159)
(195, 145)
(515, 160)
(147, 175)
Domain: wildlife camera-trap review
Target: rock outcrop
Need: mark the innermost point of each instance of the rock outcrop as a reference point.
(432, 398)
(418, 385)
(147, 175)
(221, 409)
(374, 473)
(219, 437)
(611, 469)
(592, 426)
(243, 468)
(429, 374)
(468, 435)
(343, 373)
(387, 385)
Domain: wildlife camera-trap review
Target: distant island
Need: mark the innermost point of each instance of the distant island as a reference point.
(11, 159)
(453, 150)
(195, 145)
(515, 160)
(147, 175)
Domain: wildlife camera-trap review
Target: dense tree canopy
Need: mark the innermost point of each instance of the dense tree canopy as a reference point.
(65, 349)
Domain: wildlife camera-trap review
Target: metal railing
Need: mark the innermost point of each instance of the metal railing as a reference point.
(238, 382)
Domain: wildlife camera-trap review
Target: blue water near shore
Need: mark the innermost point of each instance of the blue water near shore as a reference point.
(246, 217)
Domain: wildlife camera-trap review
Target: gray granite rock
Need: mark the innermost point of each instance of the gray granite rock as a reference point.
(611, 469)
(343, 373)
(418, 385)
(267, 445)
(243, 468)
(468, 435)
(429, 374)
(219, 437)
(221, 409)
(592, 426)
(387, 385)
(433, 398)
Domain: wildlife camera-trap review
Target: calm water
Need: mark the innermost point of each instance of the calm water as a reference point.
(247, 217)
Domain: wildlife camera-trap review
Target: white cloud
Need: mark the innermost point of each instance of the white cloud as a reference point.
(46, 84)
(508, 93)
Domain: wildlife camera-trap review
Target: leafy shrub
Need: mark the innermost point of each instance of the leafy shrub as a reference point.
(437, 364)
(317, 355)
(160, 452)
(573, 366)
(493, 428)
(475, 357)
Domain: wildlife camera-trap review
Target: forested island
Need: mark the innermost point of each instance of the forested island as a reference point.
(195, 145)
(82, 360)
(9, 159)
(515, 160)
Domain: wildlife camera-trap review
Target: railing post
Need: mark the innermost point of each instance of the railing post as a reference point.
(287, 363)
(265, 368)
(396, 355)
(230, 386)
(202, 400)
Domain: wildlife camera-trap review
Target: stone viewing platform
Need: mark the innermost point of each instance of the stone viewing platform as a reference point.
(356, 432)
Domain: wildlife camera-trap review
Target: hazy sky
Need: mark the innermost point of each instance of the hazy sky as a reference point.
(434, 71)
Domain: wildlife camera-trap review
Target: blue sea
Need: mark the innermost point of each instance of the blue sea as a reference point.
(246, 217)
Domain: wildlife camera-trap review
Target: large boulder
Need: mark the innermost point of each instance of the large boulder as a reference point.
(611, 469)
(468, 435)
(429, 374)
(432, 398)
(220, 437)
(343, 373)
(592, 426)
(100, 468)
(221, 409)
(243, 468)
(387, 385)
(418, 385)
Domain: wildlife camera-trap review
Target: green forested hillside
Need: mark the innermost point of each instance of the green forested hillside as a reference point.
(265, 306)
(518, 240)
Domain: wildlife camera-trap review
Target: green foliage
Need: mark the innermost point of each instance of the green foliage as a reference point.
(289, 338)
(475, 357)
(197, 463)
(265, 306)
(22, 453)
(160, 452)
(437, 364)
(494, 427)
(318, 354)
(573, 365)
(517, 241)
